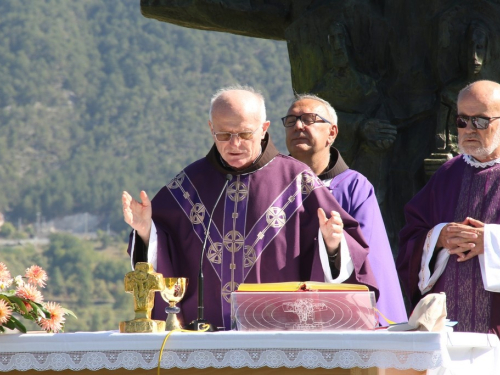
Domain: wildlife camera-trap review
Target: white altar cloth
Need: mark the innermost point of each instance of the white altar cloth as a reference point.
(440, 353)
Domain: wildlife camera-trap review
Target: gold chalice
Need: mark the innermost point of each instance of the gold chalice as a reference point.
(174, 290)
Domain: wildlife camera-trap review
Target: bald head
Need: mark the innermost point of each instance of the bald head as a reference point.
(243, 100)
(480, 99)
(240, 114)
(486, 92)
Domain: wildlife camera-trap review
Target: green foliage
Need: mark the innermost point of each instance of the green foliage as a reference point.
(105, 238)
(20, 257)
(109, 269)
(76, 256)
(7, 230)
(83, 277)
(96, 99)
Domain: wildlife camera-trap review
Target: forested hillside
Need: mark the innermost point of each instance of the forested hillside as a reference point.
(82, 276)
(96, 99)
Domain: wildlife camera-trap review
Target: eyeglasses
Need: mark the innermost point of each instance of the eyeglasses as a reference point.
(305, 118)
(226, 136)
(476, 121)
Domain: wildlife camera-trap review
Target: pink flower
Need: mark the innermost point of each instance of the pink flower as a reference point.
(56, 320)
(36, 276)
(4, 273)
(29, 292)
(5, 312)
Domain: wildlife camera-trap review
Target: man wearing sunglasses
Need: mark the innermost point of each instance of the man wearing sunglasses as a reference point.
(253, 212)
(451, 241)
(311, 129)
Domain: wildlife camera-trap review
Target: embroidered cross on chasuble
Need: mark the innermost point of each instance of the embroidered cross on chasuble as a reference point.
(233, 248)
(264, 229)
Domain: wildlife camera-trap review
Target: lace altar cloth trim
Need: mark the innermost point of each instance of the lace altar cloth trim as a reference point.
(235, 358)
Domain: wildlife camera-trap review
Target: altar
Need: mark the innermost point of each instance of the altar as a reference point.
(349, 352)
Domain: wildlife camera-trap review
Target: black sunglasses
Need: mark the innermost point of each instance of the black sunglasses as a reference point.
(476, 121)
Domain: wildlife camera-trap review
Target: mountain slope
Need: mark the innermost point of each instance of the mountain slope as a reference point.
(96, 99)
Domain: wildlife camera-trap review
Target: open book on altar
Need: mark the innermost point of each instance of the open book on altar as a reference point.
(294, 286)
(303, 306)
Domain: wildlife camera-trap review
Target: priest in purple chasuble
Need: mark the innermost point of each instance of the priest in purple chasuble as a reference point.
(451, 240)
(270, 224)
(311, 129)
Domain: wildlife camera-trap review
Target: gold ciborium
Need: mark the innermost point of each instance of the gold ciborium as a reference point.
(174, 290)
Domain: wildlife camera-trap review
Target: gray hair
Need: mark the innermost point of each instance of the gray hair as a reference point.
(250, 89)
(329, 108)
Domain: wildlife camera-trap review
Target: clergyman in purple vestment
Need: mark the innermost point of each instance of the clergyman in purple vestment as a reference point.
(356, 195)
(311, 143)
(265, 228)
(451, 240)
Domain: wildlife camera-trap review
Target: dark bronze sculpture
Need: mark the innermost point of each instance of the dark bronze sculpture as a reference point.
(391, 68)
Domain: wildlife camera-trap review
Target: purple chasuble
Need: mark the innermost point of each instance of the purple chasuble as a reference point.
(264, 229)
(456, 191)
(357, 197)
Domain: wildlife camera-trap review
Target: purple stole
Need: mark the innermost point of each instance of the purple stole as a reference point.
(467, 300)
(230, 250)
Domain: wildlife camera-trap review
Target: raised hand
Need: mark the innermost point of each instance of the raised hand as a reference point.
(331, 229)
(138, 215)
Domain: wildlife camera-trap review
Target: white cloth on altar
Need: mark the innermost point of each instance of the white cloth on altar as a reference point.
(456, 353)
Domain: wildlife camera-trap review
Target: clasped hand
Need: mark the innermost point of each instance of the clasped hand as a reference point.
(465, 239)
